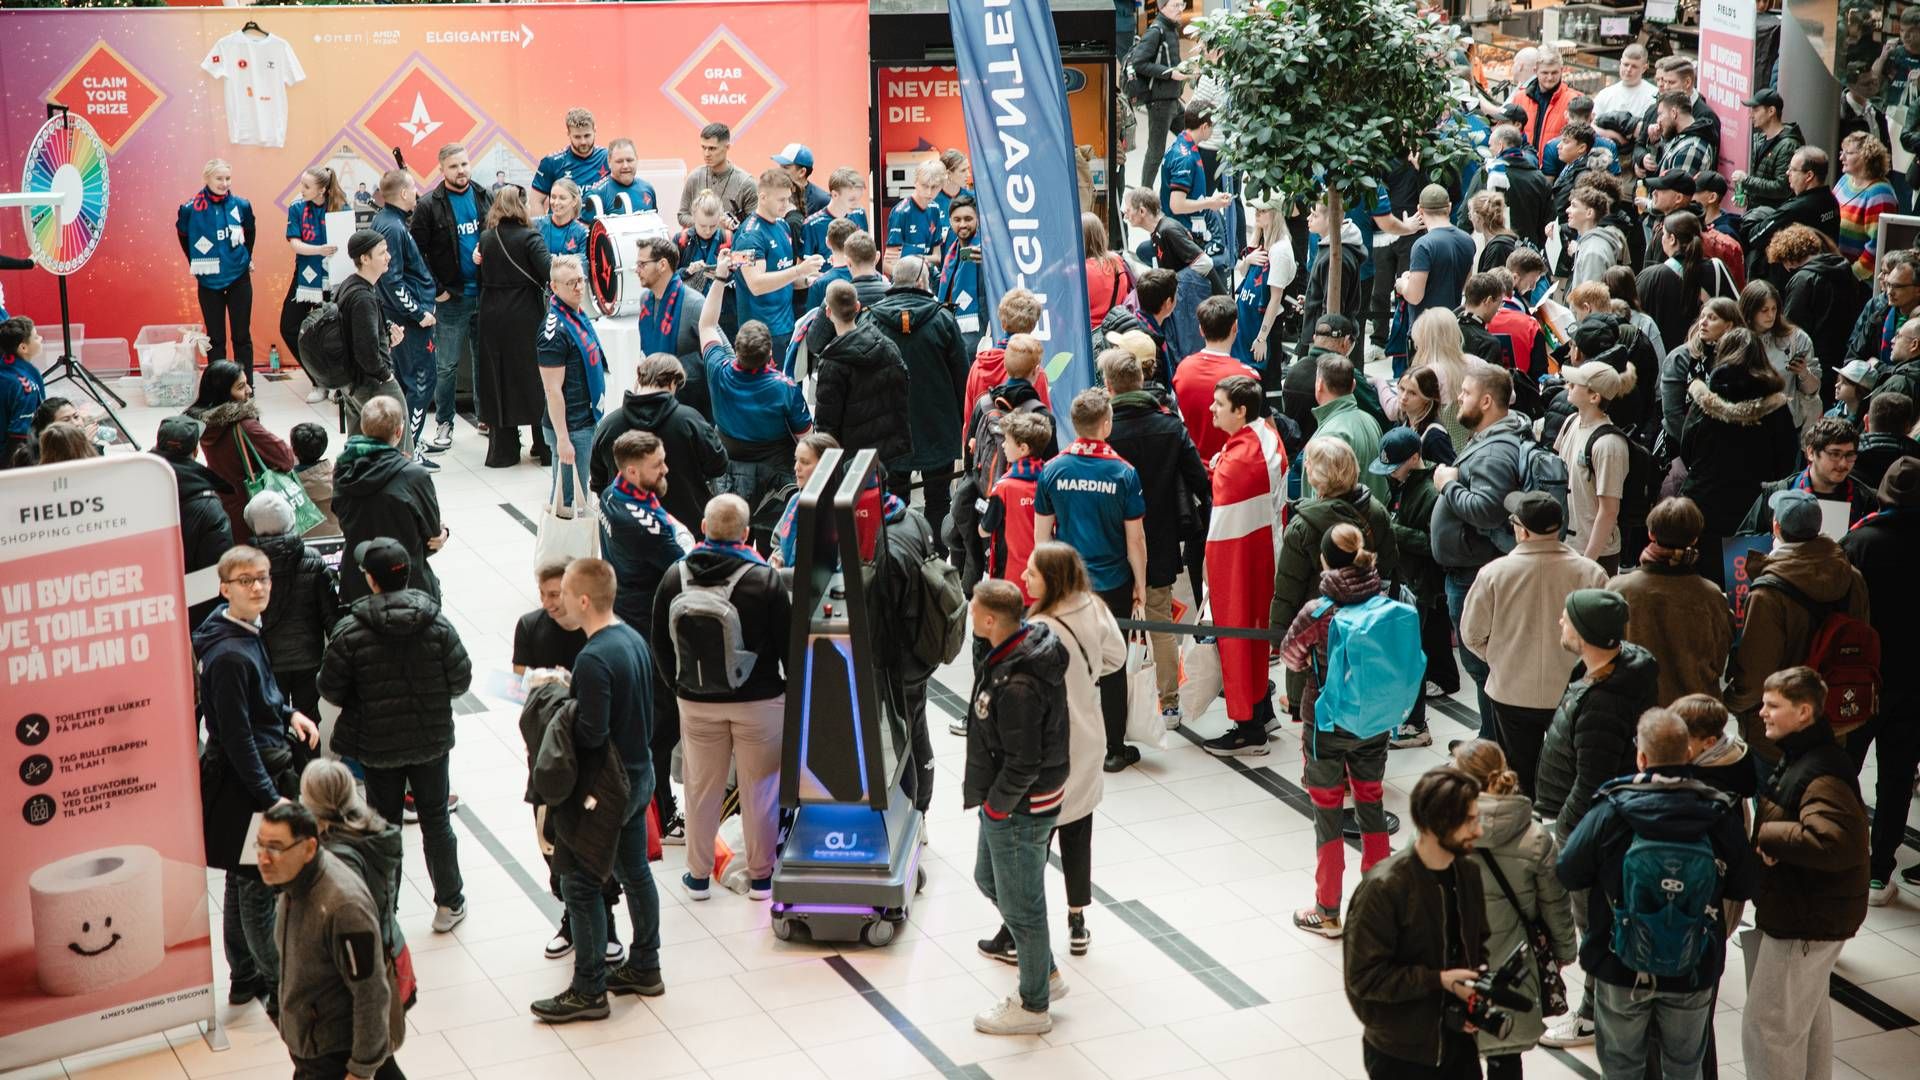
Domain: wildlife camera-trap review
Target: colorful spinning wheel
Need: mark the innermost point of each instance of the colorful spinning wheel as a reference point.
(66, 159)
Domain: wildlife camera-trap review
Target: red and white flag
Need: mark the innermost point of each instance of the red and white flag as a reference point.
(1240, 555)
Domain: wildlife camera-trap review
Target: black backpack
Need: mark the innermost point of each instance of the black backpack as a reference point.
(989, 455)
(1150, 44)
(323, 348)
(1642, 488)
(931, 595)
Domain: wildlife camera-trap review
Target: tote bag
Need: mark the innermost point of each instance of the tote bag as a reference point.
(576, 537)
(1145, 725)
(260, 478)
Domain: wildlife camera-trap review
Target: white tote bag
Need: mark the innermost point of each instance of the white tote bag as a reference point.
(1145, 726)
(575, 537)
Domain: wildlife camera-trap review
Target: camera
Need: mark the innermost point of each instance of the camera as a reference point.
(1496, 997)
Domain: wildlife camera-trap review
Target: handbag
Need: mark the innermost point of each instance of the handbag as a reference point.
(569, 538)
(1145, 725)
(1553, 988)
(259, 478)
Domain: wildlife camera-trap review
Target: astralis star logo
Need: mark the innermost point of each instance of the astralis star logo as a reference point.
(420, 124)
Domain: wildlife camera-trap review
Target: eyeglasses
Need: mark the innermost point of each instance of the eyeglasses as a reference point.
(276, 850)
(1892, 284)
(250, 581)
(1840, 455)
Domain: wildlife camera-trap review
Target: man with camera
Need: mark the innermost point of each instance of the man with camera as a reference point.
(1413, 965)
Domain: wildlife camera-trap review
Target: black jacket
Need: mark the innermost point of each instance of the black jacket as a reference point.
(1672, 806)
(1297, 400)
(1590, 740)
(1017, 728)
(909, 543)
(1173, 479)
(247, 764)
(1530, 203)
(928, 340)
(861, 384)
(1154, 55)
(695, 456)
(205, 532)
(385, 494)
(1395, 947)
(435, 232)
(1767, 179)
(366, 325)
(394, 666)
(1815, 208)
(304, 606)
(1824, 298)
(1882, 549)
(1878, 451)
(1738, 435)
(1353, 294)
(581, 838)
(764, 607)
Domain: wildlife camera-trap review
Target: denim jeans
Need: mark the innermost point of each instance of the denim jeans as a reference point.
(1183, 326)
(751, 480)
(387, 792)
(587, 911)
(1621, 1018)
(1458, 582)
(246, 931)
(582, 440)
(413, 367)
(1010, 867)
(453, 325)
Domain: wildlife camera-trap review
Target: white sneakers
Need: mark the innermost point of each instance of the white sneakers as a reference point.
(1573, 1031)
(446, 918)
(1012, 1017)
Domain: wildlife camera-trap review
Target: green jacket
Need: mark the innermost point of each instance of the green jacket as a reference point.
(1767, 179)
(1344, 419)
(1296, 572)
(1412, 518)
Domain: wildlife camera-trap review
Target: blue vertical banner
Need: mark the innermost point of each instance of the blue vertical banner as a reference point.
(1013, 93)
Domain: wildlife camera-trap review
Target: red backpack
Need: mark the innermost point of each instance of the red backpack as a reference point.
(1846, 653)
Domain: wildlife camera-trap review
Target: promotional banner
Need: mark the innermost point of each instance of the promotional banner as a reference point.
(1737, 575)
(103, 893)
(169, 89)
(1726, 73)
(1014, 97)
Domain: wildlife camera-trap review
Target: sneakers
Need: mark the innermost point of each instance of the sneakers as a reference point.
(1911, 875)
(412, 816)
(442, 440)
(1575, 1030)
(1241, 740)
(1116, 762)
(616, 954)
(760, 888)
(1077, 936)
(1406, 735)
(446, 918)
(698, 888)
(1056, 986)
(569, 1005)
(562, 943)
(627, 979)
(1010, 1017)
(674, 832)
(1879, 893)
(239, 993)
(1172, 717)
(425, 462)
(958, 727)
(316, 395)
(999, 947)
(1314, 921)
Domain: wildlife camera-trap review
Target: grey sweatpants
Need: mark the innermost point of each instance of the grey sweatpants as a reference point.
(1786, 1030)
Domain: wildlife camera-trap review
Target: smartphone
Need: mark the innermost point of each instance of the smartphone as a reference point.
(738, 259)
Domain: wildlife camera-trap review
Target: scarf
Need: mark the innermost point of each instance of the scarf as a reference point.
(309, 271)
(1001, 650)
(1727, 750)
(1803, 481)
(660, 319)
(587, 343)
(647, 501)
(1658, 554)
(206, 216)
(1028, 468)
(1888, 328)
(1091, 448)
(1879, 515)
(732, 549)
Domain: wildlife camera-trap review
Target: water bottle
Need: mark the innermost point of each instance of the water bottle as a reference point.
(273, 359)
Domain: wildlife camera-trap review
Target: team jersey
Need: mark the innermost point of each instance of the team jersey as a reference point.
(1182, 169)
(466, 230)
(1252, 300)
(914, 229)
(1008, 521)
(813, 234)
(945, 201)
(960, 286)
(774, 241)
(1091, 493)
(753, 406)
(307, 222)
(585, 171)
(1193, 385)
(639, 195)
(817, 198)
(568, 239)
(257, 72)
(22, 390)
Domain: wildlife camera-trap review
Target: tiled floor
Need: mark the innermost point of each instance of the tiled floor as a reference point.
(1195, 968)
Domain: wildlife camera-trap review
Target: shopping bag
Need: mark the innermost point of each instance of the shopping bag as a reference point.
(260, 478)
(653, 831)
(730, 870)
(569, 538)
(1200, 680)
(1145, 726)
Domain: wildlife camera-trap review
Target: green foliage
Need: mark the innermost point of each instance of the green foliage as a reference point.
(1329, 91)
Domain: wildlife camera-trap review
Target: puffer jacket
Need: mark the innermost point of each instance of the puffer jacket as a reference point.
(205, 532)
(1779, 630)
(1810, 819)
(1017, 729)
(1472, 508)
(304, 606)
(1590, 740)
(1296, 573)
(1738, 436)
(861, 383)
(1095, 647)
(394, 666)
(928, 340)
(378, 491)
(1767, 179)
(1526, 854)
(1395, 947)
(1682, 619)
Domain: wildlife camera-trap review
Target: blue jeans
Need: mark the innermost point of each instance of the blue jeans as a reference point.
(587, 907)
(387, 793)
(1458, 582)
(246, 932)
(453, 326)
(413, 367)
(582, 440)
(1183, 327)
(1010, 867)
(1621, 1018)
(751, 480)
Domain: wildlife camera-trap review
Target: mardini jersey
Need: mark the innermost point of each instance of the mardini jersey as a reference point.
(257, 72)
(585, 171)
(1091, 493)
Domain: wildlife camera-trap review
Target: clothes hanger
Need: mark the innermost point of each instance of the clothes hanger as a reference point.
(252, 27)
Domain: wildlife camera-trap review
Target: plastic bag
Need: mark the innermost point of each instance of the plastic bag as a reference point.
(1200, 683)
(730, 856)
(1145, 726)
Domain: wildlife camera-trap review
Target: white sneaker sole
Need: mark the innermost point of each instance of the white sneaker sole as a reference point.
(445, 925)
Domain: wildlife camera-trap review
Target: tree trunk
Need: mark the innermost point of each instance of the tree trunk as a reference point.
(1334, 251)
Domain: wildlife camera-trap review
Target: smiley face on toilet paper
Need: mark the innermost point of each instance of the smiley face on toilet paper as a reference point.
(98, 919)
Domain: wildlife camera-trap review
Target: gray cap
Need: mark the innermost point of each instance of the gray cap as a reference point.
(1796, 514)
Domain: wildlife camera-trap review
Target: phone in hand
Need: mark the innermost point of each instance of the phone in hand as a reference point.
(738, 258)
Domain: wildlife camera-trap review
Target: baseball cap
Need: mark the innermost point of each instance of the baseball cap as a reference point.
(1396, 446)
(1765, 96)
(1536, 510)
(1137, 342)
(1797, 513)
(1596, 333)
(179, 437)
(1679, 180)
(794, 154)
(1334, 326)
(386, 561)
(1710, 182)
(1433, 197)
(1596, 375)
(1860, 373)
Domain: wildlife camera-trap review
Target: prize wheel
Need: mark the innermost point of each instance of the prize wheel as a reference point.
(67, 159)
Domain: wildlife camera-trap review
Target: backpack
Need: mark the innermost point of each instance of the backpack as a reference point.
(1373, 671)
(1668, 912)
(323, 348)
(1542, 470)
(1136, 85)
(766, 516)
(939, 599)
(403, 989)
(1846, 653)
(989, 456)
(1642, 487)
(705, 628)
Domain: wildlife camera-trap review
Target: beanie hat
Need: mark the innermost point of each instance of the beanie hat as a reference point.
(1599, 616)
(362, 242)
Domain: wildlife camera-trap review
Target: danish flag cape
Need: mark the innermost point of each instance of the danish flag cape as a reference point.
(1240, 551)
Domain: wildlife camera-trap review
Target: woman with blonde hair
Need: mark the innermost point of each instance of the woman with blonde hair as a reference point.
(514, 267)
(1517, 857)
(1491, 233)
(1863, 193)
(560, 227)
(1438, 344)
(354, 831)
(320, 195)
(216, 232)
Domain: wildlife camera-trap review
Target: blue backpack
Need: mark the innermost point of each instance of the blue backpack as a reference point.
(1668, 910)
(1375, 666)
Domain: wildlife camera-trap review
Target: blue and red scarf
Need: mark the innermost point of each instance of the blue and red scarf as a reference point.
(660, 319)
(1090, 448)
(732, 549)
(310, 271)
(1027, 468)
(1803, 481)
(587, 342)
(647, 501)
(1879, 515)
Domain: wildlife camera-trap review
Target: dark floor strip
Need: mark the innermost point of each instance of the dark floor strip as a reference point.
(1855, 997)
(1459, 713)
(1573, 1063)
(535, 891)
(469, 705)
(901, 1024)
(525, 522)
(1272, 782)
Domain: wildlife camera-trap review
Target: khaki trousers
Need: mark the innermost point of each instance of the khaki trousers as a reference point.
(1166, 654)
(747, 733)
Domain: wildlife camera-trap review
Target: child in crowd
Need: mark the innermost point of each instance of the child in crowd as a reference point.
(1008, 521)
(309, 442)
(1851, 385)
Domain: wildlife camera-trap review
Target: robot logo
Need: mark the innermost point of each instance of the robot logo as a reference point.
(839, 841)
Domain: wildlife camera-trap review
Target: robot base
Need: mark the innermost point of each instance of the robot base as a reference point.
(853, 901)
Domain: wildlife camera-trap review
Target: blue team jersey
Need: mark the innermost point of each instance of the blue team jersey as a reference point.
(585, 171)
(1252, 301)
(639, 195)
(916, 230)
(568, 239)
(774, 242)
(813, 234)
(817, 198)
(960, 286)
(1182, 169)
(21, 392)
(466, 229)
(753, 406)
(832, 274)
(1091, 493)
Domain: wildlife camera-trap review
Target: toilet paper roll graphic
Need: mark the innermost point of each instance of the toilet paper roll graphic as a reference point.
(107, 916)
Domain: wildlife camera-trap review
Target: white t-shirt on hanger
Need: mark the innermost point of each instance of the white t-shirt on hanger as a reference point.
(258, 72)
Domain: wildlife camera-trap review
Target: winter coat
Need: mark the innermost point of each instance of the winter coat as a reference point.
(1767, 178)
(1878, 451)
(696, 459)
(380, 853)
(437, 234)
(378, 491)
(1682, 619)
(1665, 298)
(1344, 419)
(928, 340)
(586, 839)
(1353, 293)
(1095, 647)
(394, 666)
(1529, 195)
(1666, 805)
(1017, 728)
(221, 447)
(205, 533)
(1296, 570)
(1686, 362)
(1590, 740)
(1809, 818)
(514, 269)
(304, 606)
(334, 993)
(1738, 436)
(860, 384)
(1173, 480)
(764, 606)
(1155, 55)
(1882, 549)
(1526, 854)
(1824, 298)
(369, 347)
(1471, 509)
(1413, 503)
(1512, 620)
(1778, 630)
(247, 764)
(1395, 947)
(1857, 494)
(1898, 379)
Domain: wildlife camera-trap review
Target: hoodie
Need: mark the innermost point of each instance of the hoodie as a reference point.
(928, 340)
(1600, 250)
(695, 455)
(860, 383)
(378, 491)
(1738, 435)
(243, 705)
(1471, 510)
(1017, 727)
(394, 666)
(1353, 252)
(1590, 740)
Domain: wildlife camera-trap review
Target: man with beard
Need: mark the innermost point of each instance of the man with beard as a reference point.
(670, 321)
(623, 180)
(446, 226)
(580, 161)
(960, 273)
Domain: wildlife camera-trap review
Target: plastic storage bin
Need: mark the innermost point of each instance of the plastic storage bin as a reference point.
(169, 358)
